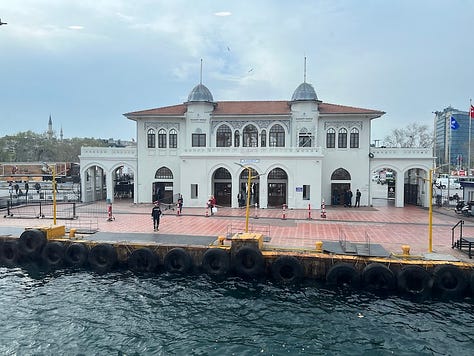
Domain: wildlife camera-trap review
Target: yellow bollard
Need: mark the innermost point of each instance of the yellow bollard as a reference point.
(319, 246)
(406, 250)
(72, 232)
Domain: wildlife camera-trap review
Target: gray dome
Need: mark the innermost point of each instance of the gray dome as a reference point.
(304, 91)
(200, 93)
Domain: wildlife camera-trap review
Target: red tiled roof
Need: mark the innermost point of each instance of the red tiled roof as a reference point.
(254, 108)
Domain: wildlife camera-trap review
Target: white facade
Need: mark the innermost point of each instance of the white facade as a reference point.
(301, 152)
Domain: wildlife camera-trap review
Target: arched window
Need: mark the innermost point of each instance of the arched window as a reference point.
(163, 173)
(354, 139)
(222, 173)
(151, 139)
(263, 138)
(342, 138)
(161, 138)
(331, 138)
(340, 174)
(277, 173)
(250, 136)
(237, 138)
(173, 138)
(224, 136)
(277, 136)
(304, 138)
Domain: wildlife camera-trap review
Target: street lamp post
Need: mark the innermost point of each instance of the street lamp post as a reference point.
(54, 193)
(430, 207)
(249, 181)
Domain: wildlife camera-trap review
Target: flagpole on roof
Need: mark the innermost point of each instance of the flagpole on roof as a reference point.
(470, 134)
(449, 148)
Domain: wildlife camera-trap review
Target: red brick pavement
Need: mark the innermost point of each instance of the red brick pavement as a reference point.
(386, 225)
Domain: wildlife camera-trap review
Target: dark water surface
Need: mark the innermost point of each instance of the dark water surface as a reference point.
(81, 313)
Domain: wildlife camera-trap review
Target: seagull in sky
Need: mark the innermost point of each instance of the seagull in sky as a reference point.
(2, 23)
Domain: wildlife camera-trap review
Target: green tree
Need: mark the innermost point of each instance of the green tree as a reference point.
(32, 147)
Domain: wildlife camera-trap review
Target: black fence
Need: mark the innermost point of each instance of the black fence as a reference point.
(40, 210)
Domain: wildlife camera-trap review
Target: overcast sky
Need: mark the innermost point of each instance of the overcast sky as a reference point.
(87, 62)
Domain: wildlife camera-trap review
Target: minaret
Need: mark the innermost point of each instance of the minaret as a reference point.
(50, 128)
(61, 133)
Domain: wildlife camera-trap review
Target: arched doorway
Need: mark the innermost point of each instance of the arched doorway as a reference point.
(277, 188)
(383, 184)
(123, 181)
(162, 189)
(222, 181)
(254, 185)
(340, 184)
(95, 187)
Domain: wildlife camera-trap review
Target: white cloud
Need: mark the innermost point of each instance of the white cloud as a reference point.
(407, 58)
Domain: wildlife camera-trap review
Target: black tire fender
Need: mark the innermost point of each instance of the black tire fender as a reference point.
(414, 281)
(471, 282)
(287, 269)
(142, 260)
(343, 274)
(76, 255)
(9, 253)
(249, 262)
(177, 260)
(377, 277)
(102, 258)
(53, 253)
(449, 281)
(216, 262)
(31, 243)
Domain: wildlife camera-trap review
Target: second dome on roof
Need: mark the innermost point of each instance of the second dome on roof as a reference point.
(304, 92)
(200, 93)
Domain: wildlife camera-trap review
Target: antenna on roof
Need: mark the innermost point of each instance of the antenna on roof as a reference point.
(304, 69)
(200, 75)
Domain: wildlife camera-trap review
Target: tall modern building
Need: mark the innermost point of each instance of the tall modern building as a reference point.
(451, 144)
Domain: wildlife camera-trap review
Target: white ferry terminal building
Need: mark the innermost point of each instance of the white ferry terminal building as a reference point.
(300, 152)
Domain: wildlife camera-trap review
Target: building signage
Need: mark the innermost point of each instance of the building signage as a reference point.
(247, 161)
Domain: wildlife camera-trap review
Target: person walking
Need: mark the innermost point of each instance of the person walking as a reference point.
(27, 187)
(358, 194)
(180, 204)
(156, 214)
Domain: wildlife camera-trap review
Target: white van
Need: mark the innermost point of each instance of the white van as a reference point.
(443, 183)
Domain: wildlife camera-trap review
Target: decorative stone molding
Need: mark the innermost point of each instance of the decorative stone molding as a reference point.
(161, 125)
(347, 124)
(261, 124)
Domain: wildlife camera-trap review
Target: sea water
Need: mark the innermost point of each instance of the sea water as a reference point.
(82, 313)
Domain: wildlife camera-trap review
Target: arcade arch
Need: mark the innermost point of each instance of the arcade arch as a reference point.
(254, 185)
(277, 188)
(222, 186)
(162, 187)
(340, 184)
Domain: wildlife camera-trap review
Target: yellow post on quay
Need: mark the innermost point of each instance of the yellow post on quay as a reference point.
(53, 169)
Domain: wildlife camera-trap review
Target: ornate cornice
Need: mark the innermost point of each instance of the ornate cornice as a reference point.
(347, 124)
(161, 125)
(261, 124)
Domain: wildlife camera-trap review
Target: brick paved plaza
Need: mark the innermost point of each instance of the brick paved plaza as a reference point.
(382, 224)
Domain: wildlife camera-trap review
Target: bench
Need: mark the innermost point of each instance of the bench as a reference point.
(465, 242)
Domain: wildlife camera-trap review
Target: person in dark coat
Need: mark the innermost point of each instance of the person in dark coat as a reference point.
(156, 214)
(358, 194)
(180, 204)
